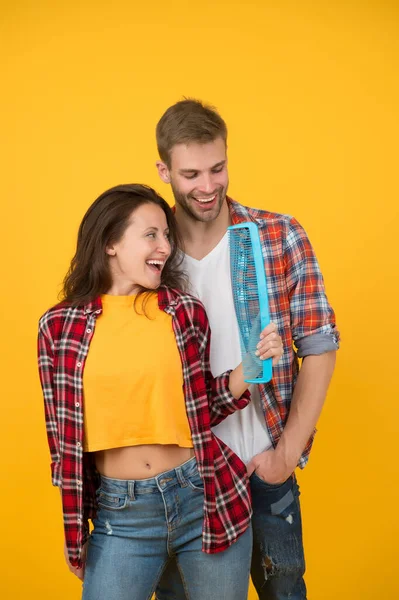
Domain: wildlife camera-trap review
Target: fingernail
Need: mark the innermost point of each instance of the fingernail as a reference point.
(257, 353)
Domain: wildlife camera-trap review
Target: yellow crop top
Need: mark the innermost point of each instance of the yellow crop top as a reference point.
(133, 380)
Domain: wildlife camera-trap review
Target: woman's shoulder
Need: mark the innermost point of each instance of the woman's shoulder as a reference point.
(55, 316)
(182, 298)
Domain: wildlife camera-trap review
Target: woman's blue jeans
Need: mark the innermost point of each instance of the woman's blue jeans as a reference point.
(142, 524)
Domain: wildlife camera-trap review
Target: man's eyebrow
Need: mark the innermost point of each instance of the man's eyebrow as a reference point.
(188, 170)
(219, 164)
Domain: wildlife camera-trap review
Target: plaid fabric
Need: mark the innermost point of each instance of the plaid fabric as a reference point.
(63, 343)
(298, 305)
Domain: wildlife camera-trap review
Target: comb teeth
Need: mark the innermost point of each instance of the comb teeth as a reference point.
(247, 268)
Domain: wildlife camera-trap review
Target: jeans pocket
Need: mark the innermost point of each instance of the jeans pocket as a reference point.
(275, 499)
(111, 501)
(195, 482)
(271, 486)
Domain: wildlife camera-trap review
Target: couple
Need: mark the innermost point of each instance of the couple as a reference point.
(169, 461)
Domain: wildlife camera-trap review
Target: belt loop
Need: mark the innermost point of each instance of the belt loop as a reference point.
(130, 490)
(180, 477)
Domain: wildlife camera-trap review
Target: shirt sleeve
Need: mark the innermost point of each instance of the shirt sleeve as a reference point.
(221, 401)
(45, 360)
(312, 318)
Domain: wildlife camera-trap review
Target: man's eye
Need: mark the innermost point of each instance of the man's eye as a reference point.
(219, 170)
(193, 176)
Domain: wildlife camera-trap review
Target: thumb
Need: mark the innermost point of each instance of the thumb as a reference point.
(251, 466)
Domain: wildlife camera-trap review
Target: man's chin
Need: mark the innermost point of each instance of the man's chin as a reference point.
(204, 213)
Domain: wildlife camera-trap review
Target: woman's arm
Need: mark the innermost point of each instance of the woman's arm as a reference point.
(46, 361)
(228, 392)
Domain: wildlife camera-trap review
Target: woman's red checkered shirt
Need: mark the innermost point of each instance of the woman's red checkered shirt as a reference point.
(65, 334)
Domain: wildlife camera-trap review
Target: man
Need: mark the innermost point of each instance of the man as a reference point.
(274, 433)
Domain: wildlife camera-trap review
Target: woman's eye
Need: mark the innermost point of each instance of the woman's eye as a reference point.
(151, 235)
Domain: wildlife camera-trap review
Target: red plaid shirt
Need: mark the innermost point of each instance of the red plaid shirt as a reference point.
(65, 334)
(298, 306)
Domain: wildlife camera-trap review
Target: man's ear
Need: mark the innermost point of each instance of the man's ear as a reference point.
(163, 171)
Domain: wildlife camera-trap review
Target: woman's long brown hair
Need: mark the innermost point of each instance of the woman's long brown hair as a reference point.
(104, 224)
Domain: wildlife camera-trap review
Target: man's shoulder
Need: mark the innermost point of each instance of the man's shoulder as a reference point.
(241, 213)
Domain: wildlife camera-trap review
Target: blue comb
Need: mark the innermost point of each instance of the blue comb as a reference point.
(248, 280)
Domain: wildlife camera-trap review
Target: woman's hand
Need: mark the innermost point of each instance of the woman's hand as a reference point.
(80, 573)
(270, 345)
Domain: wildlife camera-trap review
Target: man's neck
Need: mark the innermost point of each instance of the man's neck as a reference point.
(200, 238)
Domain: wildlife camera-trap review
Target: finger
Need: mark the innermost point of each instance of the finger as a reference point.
(273, 353)
(271, 338)
(273, 347)
(269, 343)
(250, 468)
(271, 328)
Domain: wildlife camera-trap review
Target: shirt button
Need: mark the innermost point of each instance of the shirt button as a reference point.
(78, 482)
(77, 404)
(79, 364)
(88, 330)
(98, 312)
(78, 444)
(79, 520)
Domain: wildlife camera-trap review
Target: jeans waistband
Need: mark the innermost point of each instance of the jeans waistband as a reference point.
(132, 487)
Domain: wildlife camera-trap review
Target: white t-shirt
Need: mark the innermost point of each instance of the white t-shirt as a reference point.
(244, 431)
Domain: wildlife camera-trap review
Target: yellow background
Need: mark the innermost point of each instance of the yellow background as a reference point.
(310, 93)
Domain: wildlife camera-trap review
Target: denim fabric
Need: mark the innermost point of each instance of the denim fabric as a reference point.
(278, 562)
(141, 525)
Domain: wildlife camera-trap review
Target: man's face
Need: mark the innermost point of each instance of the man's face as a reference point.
(199, 179)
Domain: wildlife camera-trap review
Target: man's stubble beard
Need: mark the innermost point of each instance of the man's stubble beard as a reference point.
(183, 201)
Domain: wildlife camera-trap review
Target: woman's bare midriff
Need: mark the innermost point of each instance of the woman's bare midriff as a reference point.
(140, 462)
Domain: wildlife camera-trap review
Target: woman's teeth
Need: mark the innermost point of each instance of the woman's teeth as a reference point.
(158, 264)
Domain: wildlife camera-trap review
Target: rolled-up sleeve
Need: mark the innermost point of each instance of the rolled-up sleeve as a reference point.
(313, 322)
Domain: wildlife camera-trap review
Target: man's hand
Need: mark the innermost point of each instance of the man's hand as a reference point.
(270, 467)
(80, 573)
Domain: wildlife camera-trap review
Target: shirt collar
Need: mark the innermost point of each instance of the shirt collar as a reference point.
(167, 297)
(94, 306)
(238, 212)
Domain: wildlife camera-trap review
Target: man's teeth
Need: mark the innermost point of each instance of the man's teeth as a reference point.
(204, 200)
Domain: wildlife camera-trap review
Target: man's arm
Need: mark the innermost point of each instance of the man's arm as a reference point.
(316, 339)
(275, 466)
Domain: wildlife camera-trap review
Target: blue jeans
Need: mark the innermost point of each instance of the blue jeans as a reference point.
(278, 562)
(141, 525)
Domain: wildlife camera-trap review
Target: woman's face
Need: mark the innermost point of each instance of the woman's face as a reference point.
(139, 257)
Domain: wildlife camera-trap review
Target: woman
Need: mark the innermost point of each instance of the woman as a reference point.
(130, 401)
